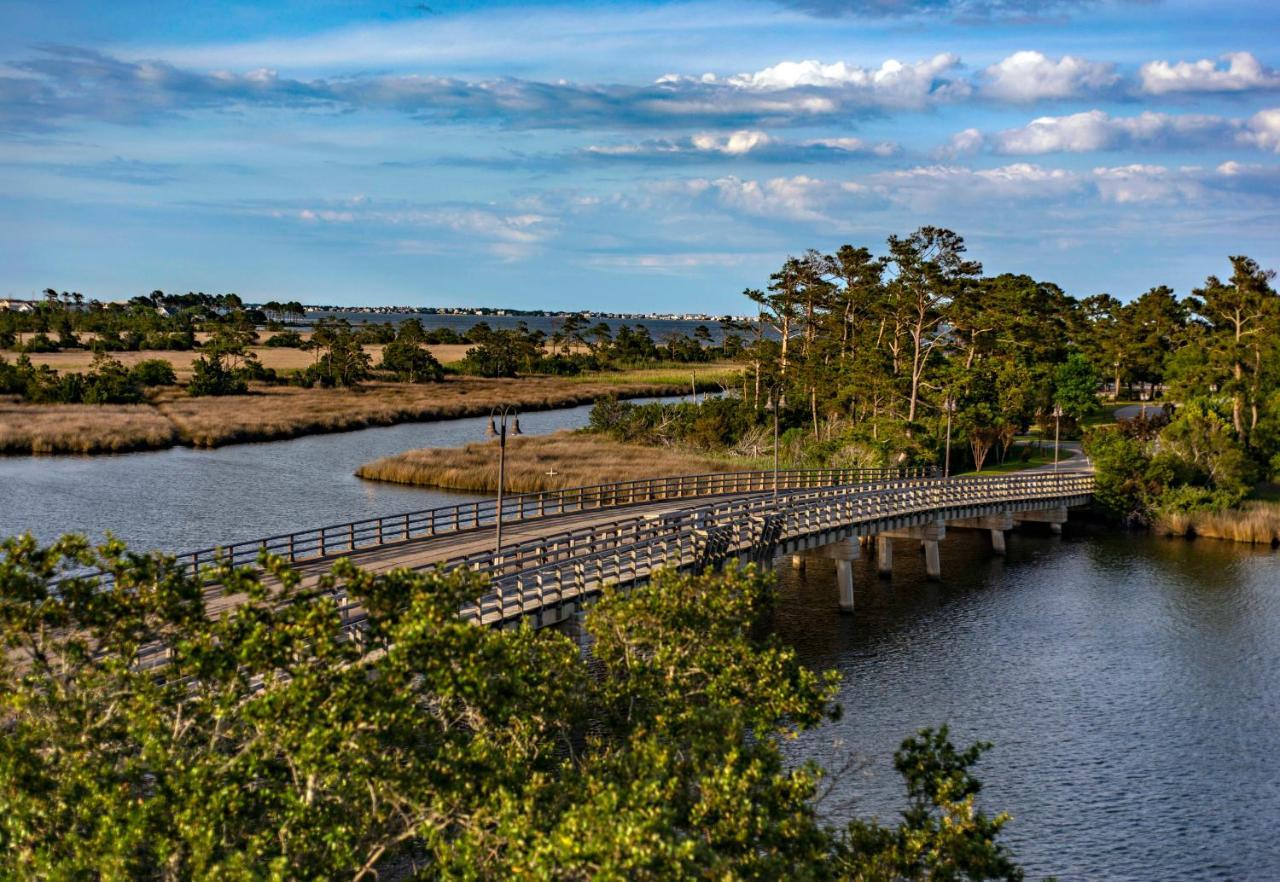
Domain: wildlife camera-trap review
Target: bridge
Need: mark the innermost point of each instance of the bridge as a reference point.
(561, 548)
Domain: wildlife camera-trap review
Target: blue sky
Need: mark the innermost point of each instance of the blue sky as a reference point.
(625, 156)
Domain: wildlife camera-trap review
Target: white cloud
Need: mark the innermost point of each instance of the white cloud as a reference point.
(1032, 76)
(892, 84)
(1144, 183)
(1264, 130)
(735, 144)
(751, 143)
(1097, 130)
(1243, 72)
(799, 198)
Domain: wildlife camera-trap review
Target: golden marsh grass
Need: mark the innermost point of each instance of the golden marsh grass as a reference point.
(82, 428)
(544, 462)
(1254, 522)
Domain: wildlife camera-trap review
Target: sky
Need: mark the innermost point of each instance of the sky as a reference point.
(625, 156)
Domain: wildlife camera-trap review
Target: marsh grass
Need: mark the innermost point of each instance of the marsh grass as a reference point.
(279, 359)
(286, 411)
(272, 413)
(82, 428)
(1256, 522)
(544, 462)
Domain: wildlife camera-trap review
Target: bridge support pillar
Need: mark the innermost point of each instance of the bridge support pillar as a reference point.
(929, 535)
(884, 554)
(844, 580)
(932, 562)
(844, 553)
(997, 524)
(1054, 517)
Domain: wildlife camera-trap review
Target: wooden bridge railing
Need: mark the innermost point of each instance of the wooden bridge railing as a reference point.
(567, 565)
(551, 569)
(339, 539)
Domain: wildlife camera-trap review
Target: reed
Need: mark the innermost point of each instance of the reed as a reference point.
(1255, 522)
(544, 462)
(276, 412)
(82, 428)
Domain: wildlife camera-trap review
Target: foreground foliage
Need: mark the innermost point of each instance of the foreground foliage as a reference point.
(269, 747)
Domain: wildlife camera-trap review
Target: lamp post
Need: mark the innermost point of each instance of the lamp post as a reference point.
(949, 406)
(1057, 424)
(774, 405)
(498, 429)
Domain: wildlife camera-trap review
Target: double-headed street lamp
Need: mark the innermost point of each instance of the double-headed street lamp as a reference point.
(498, 428)
(950, 407)
(775, 405)
(1057, 425)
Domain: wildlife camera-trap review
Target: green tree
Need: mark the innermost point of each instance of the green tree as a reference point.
(146, 738)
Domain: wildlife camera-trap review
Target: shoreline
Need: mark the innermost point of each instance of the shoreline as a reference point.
(1255, 522)
(561, 460)
(279, 413)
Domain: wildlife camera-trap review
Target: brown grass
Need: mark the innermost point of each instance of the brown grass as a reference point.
(274, 412)
(283, 360)
(1254, 522)
(543, 462)
(82, 428)
(286, 411)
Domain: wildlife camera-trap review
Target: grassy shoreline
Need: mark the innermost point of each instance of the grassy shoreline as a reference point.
(544, 462)
(1255, 522)
(271, 413)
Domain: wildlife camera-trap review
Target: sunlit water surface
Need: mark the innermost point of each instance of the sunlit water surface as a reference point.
(183, 498)
(1130, 685)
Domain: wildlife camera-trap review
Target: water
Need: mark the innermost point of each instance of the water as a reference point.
(183, 498)
(1131, 686)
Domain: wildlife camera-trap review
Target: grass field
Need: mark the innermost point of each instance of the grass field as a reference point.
(283, 360)
(545, 462)
(275, 412)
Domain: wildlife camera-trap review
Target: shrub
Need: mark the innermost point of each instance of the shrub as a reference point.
(154, 372)
(285, 340)
(209, 376)
(411, 362)
(40, 343)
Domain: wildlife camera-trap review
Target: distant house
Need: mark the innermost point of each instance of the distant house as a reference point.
(12, 305)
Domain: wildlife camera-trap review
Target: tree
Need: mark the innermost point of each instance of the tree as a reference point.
(409, 359)
(264, 743)
(1075, 387)
(210, 376)
(1243, 316)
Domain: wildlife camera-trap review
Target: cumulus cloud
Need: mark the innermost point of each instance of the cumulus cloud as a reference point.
(1242, 72)
(1096, 130)
(752, 144)
(1033, 76)
(893, 83)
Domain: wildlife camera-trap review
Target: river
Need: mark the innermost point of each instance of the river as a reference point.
(1130, 685)
(184, 498)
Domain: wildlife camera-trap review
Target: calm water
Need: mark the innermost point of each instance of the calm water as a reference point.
(183, 498)
(1131, 687)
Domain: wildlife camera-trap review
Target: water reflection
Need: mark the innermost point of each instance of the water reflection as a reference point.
(1128, 683)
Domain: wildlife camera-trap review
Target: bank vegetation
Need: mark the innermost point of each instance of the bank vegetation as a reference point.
(545, 462)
